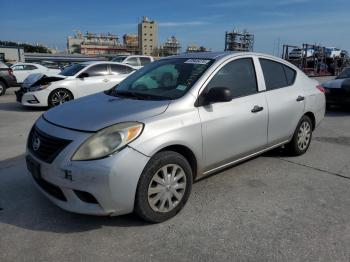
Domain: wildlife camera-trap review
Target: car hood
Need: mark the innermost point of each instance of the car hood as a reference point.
(94, 112)
(40, 79)
(336, 83)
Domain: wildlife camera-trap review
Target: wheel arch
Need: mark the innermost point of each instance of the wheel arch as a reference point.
(312, 118)
(187, 153)
(4, 82)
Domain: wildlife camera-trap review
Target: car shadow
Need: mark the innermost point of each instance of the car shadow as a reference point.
(23, 206)
(17, 107)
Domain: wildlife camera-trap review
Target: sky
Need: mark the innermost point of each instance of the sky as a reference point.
(203, 22)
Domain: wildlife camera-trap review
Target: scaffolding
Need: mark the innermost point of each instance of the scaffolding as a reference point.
(313, 60)
(239, 41)
(171, 47)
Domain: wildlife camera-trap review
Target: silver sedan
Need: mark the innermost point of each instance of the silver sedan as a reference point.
(140, 145)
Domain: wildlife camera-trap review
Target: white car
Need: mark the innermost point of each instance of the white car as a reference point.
(298, 53)
(333, 52)
(136, 61)
(23, 70)
(73, 82)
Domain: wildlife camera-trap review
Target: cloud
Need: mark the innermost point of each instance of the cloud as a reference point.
(178, 24)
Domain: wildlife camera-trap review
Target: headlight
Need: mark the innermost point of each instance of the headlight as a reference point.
(108, 141)
(38, 88)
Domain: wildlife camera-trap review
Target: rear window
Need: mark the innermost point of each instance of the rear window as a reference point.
(120, 69)
(277, 75)
(144, 60)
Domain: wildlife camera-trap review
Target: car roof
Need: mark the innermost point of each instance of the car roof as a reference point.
(104, 62)
(220, 55)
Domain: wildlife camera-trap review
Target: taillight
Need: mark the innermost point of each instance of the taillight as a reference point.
(321, 88)
(10, 72)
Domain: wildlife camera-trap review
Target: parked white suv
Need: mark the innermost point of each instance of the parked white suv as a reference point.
(333, 52)
(23, 70)
(136, 61)
(73, 82)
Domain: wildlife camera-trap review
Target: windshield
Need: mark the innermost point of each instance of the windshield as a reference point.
(72, 70)
(344, 74)
(166, 79)
(119, 59)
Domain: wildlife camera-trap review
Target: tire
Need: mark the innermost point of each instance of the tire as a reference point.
(155, 191)
(302, 137)
(2, 88)
(59, 96)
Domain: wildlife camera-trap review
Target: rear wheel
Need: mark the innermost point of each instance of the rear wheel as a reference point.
(164, 187)
(2, 88)
(59, 96)
(302, 137)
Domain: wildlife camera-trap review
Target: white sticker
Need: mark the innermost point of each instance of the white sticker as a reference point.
(181, 87)
(197, 61)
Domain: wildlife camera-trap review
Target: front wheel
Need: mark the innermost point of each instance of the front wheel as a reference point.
(164, 187)
(59, 96)
(302, 137)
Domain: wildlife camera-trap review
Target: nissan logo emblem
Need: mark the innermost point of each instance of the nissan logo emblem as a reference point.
(35, 143)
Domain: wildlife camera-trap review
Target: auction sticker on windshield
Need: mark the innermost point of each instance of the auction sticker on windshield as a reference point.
(197, 61)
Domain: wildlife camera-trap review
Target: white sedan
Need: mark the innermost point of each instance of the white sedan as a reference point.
(23, 70)
(73, 82)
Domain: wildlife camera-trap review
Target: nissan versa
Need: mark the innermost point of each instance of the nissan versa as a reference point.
(140, 145)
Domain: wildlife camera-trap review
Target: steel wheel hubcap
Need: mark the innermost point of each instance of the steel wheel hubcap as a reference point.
(304, 135)
(167, 188)
(60, 97)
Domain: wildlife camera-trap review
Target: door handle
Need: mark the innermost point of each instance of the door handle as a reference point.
(300, 98)
(257, 109)
(105, 80)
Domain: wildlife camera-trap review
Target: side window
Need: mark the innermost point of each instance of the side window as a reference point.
(120, 69)
(276, 74)
(18, 68)
(30, 67)
(132, 61)
(97, 70)
(144, 60)
(239, 76)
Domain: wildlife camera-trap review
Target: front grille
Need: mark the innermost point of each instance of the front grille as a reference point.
(51, 189)
(44, 146)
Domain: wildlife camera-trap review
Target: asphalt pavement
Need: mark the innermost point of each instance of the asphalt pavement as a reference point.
(271, 208)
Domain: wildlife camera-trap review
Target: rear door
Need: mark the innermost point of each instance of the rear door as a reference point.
(96, 81)
(232, 130)
(285, 98)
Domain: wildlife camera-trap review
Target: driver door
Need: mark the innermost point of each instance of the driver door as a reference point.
(232, 130)
(94, 79)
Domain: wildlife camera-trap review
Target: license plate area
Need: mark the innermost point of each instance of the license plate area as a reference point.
(33, 167)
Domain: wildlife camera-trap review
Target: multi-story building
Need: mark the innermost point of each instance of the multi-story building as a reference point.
(147, 31)
(131, 42)
(171, 46)
(239, 41)
(93, 44)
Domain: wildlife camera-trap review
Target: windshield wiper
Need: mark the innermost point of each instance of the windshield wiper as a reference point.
(137, 95)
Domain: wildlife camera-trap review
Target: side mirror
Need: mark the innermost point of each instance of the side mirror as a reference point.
(218, 94)
(83, 75)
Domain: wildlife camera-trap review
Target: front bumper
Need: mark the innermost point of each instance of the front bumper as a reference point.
(37, 98)
(100, 187)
